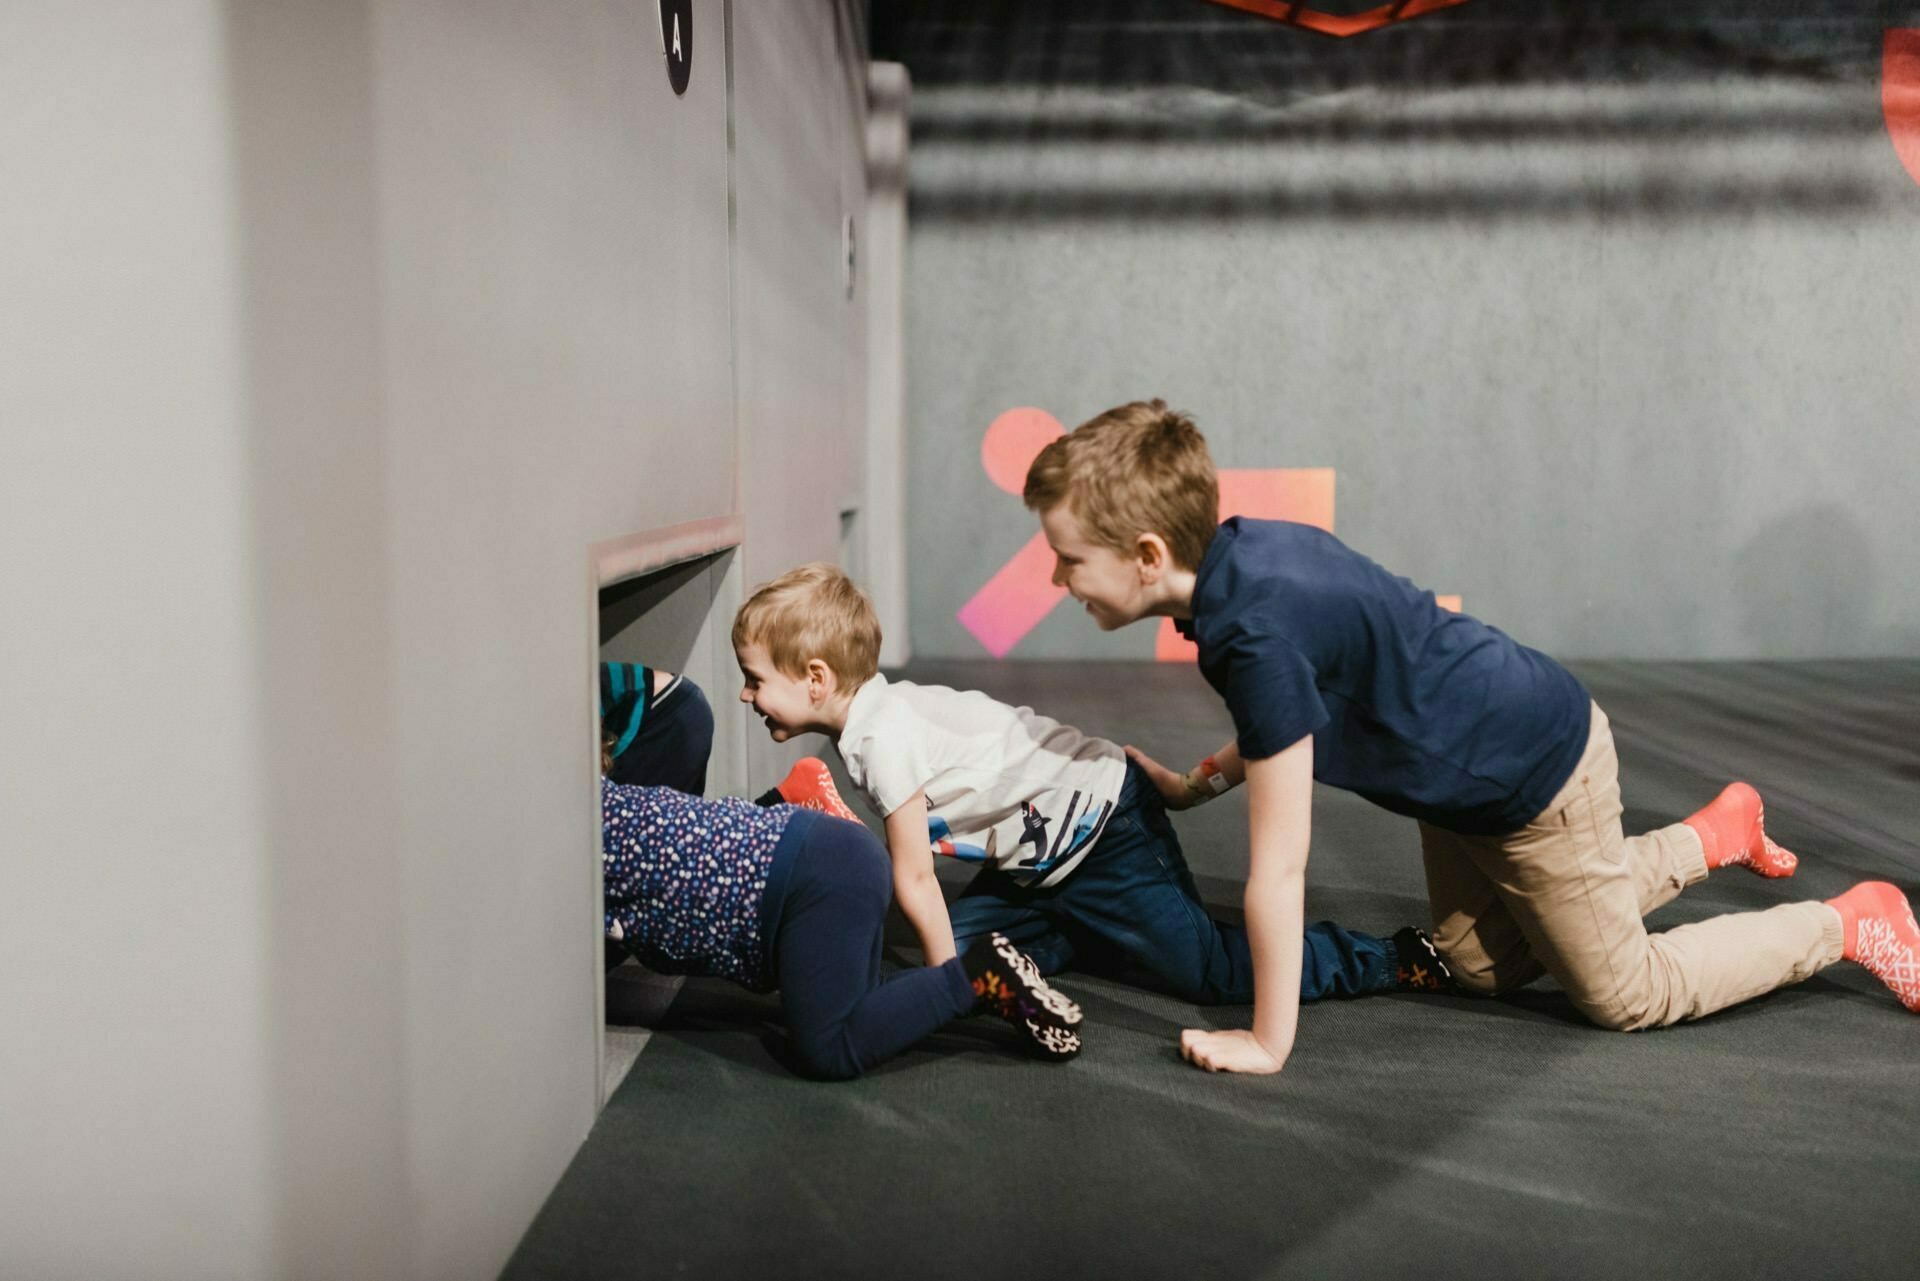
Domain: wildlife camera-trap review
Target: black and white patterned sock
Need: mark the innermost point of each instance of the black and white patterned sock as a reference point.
(1007, 984)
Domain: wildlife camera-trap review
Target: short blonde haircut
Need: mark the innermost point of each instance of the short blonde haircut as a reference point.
(813, 611)
(1138, 469)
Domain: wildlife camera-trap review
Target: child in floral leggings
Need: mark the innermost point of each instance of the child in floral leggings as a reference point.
(787, 897)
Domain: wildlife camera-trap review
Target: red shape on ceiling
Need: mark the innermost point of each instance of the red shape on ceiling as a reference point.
(1337, 24)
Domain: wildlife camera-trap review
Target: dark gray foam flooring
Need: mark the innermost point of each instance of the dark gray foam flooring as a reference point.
(1408, 1135)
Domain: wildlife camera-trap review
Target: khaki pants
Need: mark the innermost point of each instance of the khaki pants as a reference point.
(1564, 896)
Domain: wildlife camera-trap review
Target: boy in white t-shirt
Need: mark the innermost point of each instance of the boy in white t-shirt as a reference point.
(1072, 837)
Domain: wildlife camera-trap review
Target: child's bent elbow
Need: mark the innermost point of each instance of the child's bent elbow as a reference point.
(916, 886)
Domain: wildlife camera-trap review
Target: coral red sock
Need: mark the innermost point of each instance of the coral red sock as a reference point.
(810, 783)
(1878, 931)
(1732, 830)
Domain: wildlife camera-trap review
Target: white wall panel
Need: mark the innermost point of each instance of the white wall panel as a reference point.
(799, 129)
(135, 1094)
(554, 259)
(337, 334)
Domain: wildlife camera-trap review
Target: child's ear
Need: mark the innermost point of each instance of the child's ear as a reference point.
(1151, 551)
(819, 677)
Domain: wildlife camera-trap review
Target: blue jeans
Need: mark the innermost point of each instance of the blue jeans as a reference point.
(1133, 894)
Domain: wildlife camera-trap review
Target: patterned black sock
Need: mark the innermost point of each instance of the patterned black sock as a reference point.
(1007, 984)
(1419, 967)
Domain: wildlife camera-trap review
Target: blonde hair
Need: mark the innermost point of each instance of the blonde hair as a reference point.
(812, 612)
(1137, 469)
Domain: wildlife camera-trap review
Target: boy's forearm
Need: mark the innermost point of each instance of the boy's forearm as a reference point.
(1276, 922)
(915, 888)
(1280, 828)
(1232, 768)
(926, 910)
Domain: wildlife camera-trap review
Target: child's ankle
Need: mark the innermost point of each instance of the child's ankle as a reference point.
(1419, 967)
(1007, 984)
(1878, 931)
(1732, 831)
(810, 784)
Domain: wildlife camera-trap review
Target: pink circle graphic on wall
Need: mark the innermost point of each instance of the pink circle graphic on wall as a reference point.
(1900, 94)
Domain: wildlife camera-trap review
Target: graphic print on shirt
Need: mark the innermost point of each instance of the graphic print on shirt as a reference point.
(684, 880)
(942, 840)
(1071, 837)
(1035, 834)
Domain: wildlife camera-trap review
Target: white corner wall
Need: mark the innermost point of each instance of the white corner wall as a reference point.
(335, 334)
(136, 1096)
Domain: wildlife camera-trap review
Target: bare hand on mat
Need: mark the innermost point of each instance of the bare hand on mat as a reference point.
(1234, 1050)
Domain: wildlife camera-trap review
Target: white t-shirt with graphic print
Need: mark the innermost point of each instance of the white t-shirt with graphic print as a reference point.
(1004, 786)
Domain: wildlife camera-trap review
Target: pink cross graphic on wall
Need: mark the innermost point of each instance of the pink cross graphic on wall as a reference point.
(1021, 592)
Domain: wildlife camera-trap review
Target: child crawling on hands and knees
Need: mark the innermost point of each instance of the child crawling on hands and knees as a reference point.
(1338, 671)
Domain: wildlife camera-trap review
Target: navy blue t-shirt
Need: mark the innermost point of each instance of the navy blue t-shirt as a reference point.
(1420, 710)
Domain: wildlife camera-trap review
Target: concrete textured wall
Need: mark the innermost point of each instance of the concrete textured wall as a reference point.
(1605, 320)
(335, 334)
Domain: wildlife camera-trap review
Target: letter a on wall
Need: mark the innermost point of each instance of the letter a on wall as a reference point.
(676, 41)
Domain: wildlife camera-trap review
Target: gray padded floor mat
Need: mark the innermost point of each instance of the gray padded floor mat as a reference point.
(1408, 1135)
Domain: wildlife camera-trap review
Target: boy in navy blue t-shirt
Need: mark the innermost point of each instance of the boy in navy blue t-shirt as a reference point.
(1336, 670)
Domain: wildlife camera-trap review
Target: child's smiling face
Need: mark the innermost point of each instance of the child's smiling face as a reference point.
(1108, 584)
(784, 703)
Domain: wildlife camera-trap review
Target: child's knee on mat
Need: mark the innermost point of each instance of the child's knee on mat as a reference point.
(1614, 1018)
(826, 1058)
(1473, 971)
(831, 1069)
(1624, 1011)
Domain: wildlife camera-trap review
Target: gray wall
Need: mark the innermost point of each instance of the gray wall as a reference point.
(884, 258)
(335, 334)
(129, 912)
(800, 99)
(1606, 321)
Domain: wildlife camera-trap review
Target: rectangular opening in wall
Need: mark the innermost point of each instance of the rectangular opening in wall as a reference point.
(665, 626)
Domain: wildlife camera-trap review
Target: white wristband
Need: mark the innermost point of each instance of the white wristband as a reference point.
(1205, 781)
